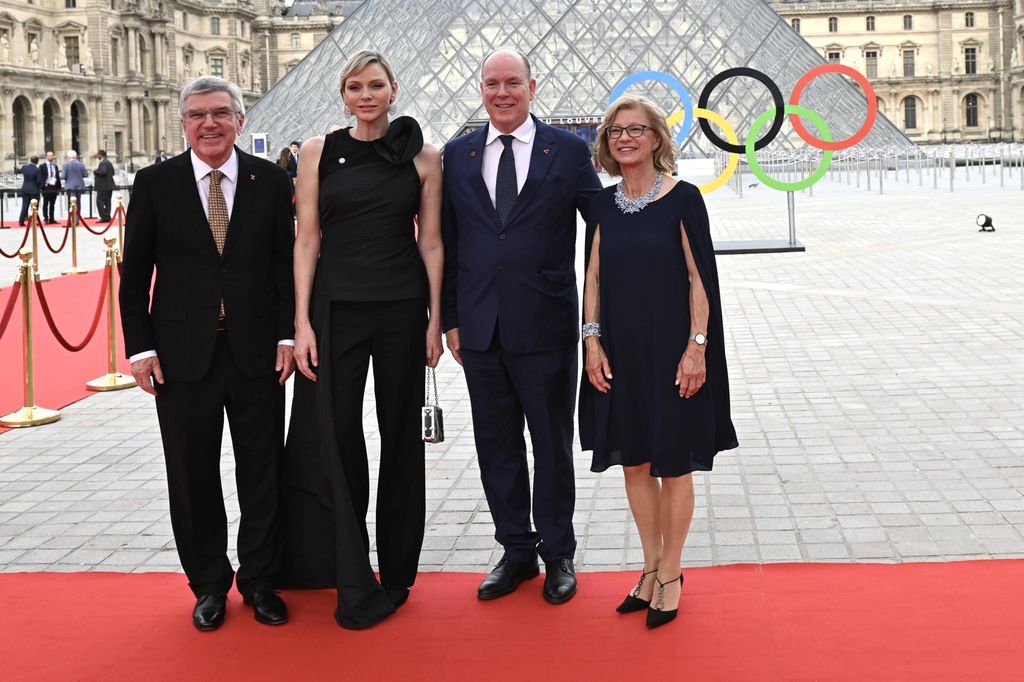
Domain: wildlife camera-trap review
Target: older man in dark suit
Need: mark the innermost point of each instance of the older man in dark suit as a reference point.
(511, 315)
(216, 224)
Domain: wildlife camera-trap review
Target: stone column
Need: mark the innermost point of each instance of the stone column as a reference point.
(7, 127)
(38, 125)
(161, 123)
(133, 51)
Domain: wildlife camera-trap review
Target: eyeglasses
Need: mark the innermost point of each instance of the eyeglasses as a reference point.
(634, 131)
(199, 115)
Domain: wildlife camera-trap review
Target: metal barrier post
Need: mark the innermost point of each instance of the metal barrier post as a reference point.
(112, 380)
(73, 219)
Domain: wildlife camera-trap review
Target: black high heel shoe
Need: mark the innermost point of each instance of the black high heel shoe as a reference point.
(656, 616)
(633, 602)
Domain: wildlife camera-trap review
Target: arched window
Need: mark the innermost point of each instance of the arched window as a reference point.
(969, 20)
(910, 113)
(296, 41)
(833, 25)
(971, 102)
(795, 23)
(869, 23)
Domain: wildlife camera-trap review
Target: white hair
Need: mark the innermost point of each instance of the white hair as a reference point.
(205, 84)
(72, 154)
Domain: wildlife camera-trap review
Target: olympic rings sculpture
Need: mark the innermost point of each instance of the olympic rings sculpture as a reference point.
(776, 114)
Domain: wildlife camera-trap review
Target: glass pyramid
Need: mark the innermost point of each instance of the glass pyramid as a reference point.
(579, 51)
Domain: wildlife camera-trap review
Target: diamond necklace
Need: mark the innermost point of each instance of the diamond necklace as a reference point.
(627, 205)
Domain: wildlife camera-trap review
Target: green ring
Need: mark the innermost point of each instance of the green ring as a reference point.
(755, 130)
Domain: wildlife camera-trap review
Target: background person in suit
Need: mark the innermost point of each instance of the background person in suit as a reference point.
(73, 174)
(510, 312)
(293, 164)
(216, 223)
(103, 183)
(29, 186)
(161, 156)
(49, 184)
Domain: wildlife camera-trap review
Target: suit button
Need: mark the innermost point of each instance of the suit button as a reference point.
(501, 268)
(501, 236)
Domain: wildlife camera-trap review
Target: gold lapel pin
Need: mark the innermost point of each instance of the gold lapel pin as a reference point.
(252, 177)
(472, 153)
(546, 150)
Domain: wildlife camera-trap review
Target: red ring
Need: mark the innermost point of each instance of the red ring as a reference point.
(869, 92)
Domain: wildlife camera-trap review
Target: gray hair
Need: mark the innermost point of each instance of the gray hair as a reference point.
(205, 84)
(526, 61)
(72, 154)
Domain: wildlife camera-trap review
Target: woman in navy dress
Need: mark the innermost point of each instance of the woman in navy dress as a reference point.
(656, 396)
(367, 285)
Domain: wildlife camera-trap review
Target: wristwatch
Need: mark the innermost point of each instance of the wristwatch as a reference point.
(699, 338)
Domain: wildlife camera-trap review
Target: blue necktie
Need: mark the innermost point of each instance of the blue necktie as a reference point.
(506, 189)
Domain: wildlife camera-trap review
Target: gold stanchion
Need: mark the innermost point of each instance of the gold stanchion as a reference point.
(120, 228)
(29, 415)
(73, 220)
(112, 380)
(33, 221)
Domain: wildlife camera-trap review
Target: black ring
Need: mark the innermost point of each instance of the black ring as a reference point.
(780, 108)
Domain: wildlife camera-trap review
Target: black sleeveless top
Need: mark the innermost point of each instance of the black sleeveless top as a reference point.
(369, 196)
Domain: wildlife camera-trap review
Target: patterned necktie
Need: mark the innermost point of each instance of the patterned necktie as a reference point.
(506, 189)
(218, 211)
(218, 217)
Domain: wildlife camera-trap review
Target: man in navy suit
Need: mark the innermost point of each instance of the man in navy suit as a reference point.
(510, 312)
(29, 186)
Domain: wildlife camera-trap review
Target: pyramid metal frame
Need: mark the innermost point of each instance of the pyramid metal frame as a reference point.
(579, 50)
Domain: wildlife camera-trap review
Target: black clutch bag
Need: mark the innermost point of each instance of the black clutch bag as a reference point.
(431, 416)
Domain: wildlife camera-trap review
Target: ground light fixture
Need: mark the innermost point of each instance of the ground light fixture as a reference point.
(985, 223)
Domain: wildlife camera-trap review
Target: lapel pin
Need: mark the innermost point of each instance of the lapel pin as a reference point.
(252, 177)
(341, 160)
(472, 153)
(546, 150)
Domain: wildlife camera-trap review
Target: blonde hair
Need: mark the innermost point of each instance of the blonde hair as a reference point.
(359, 61)
(664, 152)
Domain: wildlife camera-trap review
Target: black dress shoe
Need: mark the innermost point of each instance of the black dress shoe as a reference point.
(209, 611)
(397, 596)
(559, 581)
(656, 615)
(268, 607)
(506, 577)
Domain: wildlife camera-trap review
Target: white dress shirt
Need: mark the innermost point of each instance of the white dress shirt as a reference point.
(522, 147)
(227, 188)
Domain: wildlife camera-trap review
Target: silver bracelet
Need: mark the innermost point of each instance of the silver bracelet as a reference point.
(591, 329)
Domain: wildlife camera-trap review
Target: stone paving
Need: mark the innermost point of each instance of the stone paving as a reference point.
(877, 388)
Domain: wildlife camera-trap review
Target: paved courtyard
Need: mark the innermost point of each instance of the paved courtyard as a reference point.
(877, 389)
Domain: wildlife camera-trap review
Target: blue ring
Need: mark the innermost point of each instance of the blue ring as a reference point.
(668, 80)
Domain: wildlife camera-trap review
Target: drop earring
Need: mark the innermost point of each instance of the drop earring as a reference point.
(392, 109)
(348, 110)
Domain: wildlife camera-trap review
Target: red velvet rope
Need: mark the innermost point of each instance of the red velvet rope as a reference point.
(5, 320)
(81, 221)
(63, 243)
(24, 240)
(53, 328)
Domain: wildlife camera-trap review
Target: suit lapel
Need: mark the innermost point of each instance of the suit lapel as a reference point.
(245, 186)
(191, 205)
(475, 161)
(543, 153)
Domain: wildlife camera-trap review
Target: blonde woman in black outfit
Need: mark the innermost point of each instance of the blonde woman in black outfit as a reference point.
(367, 286)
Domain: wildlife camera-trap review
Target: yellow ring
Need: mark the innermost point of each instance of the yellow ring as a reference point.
(734, 158)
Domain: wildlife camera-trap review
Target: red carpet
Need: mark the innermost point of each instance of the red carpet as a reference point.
(941, 621)
(60, 374)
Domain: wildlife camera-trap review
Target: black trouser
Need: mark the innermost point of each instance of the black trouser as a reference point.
(506, 391)
(393, 333)
(49, 200)
(26, 203)
(103, 203)
(191, 424)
